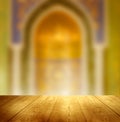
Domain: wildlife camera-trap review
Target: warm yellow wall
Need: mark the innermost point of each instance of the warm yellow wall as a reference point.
(4, 37)
(114, 47)
(112, 62)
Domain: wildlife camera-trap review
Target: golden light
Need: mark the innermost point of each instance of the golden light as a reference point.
(57, 38)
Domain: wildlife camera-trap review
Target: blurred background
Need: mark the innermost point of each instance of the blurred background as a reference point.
(59, 47)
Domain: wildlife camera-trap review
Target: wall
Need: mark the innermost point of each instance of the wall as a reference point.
(112, 58)
(113, 82)
(4, 37)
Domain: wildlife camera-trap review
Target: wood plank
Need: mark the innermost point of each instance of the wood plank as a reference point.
(5, 99)
(113, 102)
(10, 109)
(66, 109)
(61, 109)
(96, 111)
(38, 111)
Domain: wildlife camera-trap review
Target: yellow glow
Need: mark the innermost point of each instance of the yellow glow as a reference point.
(57, 36)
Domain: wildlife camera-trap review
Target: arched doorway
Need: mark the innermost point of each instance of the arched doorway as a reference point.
(58, 52)
(47, 45)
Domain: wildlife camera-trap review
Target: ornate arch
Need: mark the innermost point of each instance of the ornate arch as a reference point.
(36, 13)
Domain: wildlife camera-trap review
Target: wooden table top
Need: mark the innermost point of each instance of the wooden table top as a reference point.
(60, 108)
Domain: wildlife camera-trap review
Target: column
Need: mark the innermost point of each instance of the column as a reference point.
(16, 71)
(98, 70)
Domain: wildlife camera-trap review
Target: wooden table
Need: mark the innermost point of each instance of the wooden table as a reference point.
(60, 108)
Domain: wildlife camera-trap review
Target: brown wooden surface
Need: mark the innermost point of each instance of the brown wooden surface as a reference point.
(60, 108)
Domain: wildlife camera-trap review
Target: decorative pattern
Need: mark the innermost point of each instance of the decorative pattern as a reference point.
(22, 8)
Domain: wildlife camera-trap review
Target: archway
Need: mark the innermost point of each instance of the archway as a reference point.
(57, 41)
(29, 40)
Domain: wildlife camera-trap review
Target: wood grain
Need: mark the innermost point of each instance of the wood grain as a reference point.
(113, 102)
(60, 108)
